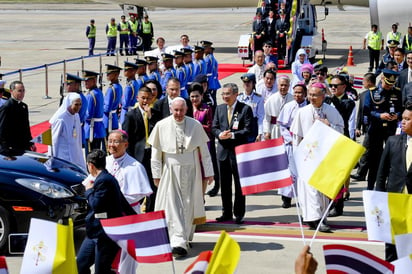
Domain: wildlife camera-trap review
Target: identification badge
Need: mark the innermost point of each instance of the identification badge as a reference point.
(235, 125)
(74, 133)
(101, 215)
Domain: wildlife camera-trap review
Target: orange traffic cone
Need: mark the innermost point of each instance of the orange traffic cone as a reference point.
(350, 62)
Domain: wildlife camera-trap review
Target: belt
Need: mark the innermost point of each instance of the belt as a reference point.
(92, 127)
(110, 125)
(273, 120)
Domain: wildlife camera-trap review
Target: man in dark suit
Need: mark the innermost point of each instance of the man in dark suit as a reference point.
(282, 27)
(263, 10)
(138, 124)
(15, 136)
(395, 172)
(232, 125)
(271, 27)
(161, 108)
(405, 76)
(105, 201)
(258, 31)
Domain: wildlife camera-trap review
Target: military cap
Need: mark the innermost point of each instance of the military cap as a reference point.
(140, 62)
(187, 51)
(248, 77)
(112, 68)
(88, 74)
(390, 76)
(393, 43)
(178, 53)
(72, 78)
(200, 78)
(151, 59)
(199, 48)
(130, 65)
(205, 43)
(167, 56)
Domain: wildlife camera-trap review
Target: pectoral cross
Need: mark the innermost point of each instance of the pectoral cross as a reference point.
(181, 148)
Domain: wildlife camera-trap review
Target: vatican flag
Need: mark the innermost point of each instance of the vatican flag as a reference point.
(49, 248)
(325, 158)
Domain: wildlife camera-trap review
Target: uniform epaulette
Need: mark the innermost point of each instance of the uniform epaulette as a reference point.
(241, 94)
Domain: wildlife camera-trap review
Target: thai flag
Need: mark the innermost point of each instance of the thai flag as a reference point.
(145, 236)
(3, 265)
(358, 82)
(348, 259)
(199, 266)
(263, 166)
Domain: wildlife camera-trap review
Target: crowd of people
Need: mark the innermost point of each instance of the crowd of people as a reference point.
(160, 130)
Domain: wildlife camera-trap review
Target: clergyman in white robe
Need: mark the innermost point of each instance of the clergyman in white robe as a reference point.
(179, 151)
(273, 107)
(312, 202)
(67, 133)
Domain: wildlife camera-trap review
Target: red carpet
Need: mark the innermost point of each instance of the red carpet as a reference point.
(225, 70)
(38, 129)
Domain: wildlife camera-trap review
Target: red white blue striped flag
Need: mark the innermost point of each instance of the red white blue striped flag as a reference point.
(199, 266)
(263, 166)
(347, 259)
(145, 234)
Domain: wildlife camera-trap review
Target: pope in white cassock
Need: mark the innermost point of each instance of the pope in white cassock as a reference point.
(67, 132)
(179, 152)
(133, 182)
(312, 202)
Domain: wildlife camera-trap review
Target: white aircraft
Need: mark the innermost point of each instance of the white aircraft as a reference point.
(383, 13)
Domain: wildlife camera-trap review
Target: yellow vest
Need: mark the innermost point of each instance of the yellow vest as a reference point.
(408, 46)
(396, 36)
(147, 27)
(124, 26)
(133, 26)
(112, 30)
(375, 40)
(92, 32)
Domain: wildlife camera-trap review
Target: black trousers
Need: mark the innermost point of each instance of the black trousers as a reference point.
(373, 58)
(150, 201)
(364, 160)
(228, 169)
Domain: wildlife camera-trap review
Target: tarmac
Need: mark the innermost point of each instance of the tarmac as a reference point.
(270, 239)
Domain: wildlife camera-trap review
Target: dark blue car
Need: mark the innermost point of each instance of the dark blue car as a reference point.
(40, 186)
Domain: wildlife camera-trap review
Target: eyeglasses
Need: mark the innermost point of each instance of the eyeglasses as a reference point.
(114, 142)
(320, 73)
(335, 85)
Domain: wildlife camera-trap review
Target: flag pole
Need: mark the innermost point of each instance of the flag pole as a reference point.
(173, 266)
(299, 216)
(320, 222)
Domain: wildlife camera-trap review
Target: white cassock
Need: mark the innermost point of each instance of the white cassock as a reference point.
(312, 202)
(178, 150)
(273, 107)
(134, 184)
(285, 118)
(67, 138)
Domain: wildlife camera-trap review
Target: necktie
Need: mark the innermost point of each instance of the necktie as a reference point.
(409, 153)
(410, 76)
(146, 126)
(229, 114)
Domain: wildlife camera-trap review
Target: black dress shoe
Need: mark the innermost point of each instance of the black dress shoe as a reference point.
(346, 196)
(358, 177)
(335, 213)
(312, 225)
(179, 252)
(212, 193)
(239, 220)
(324, 228)
(287, 202)
(224, 218)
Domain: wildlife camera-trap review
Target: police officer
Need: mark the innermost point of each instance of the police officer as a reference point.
(111, 33)
(147, 33)
(112, 98)
(190, 67)
(181, 73)
(199, 63)
(123, 28)
(388, 57)
(212, 68)
(94, 128)
(141, 70)
(152, 67)
(382, 112)
(91, 35)
(131, 89)
(375, 45)
(255, 101)
(169, 71)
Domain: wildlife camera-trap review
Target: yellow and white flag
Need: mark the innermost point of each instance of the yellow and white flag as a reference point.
(49, 249)
(225, 256)
(325, 158)
(387, 214)
(44, 138)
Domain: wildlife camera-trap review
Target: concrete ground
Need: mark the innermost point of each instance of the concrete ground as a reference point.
(270, 239)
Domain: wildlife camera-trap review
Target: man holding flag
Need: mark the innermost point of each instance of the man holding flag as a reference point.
(313, 202)
(394, 168)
